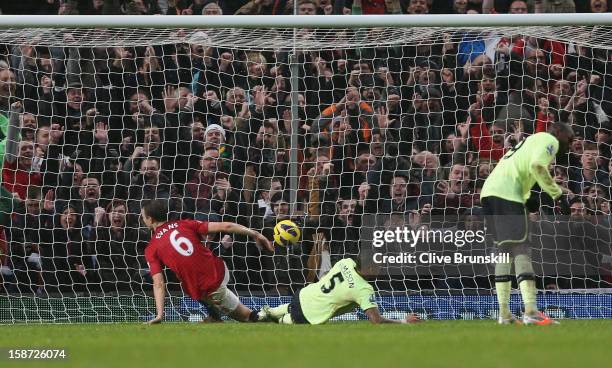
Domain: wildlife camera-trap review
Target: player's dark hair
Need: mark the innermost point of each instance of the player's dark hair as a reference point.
(157, 209)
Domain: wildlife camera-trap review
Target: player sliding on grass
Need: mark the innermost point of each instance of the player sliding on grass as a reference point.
(338, 292)
(204, 276)
(503, 197)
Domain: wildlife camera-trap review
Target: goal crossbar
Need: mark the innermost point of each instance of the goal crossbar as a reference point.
(296, 21)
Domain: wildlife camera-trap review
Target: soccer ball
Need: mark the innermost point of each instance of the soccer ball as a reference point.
(286, 233)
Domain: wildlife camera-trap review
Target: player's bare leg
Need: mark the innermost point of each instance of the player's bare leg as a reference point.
(526, 280)
(230, 305)
(244, 314)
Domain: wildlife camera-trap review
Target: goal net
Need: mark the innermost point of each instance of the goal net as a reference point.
(375, 141)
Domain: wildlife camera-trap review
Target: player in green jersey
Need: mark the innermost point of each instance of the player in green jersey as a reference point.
(338, 292)
(503, 198)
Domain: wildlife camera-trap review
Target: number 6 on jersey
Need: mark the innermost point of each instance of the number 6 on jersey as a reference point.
(178, 243)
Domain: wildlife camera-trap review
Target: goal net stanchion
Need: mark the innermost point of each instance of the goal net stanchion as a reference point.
(352, 127)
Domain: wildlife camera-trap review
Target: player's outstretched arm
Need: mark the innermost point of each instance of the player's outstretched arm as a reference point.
(232, 228)
(545, 181)
(159, 291)
(375, 317)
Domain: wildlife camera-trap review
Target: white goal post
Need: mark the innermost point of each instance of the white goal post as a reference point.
(313, 21)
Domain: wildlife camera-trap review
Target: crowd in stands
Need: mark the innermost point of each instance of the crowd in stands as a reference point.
(87, 133)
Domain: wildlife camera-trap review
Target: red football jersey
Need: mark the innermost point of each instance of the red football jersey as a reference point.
(178, 245)
(16, 180)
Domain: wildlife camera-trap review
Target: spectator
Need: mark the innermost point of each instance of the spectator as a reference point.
(401, 199)
(119, 251)
(28, 127)
(306, 7)
(71, 174)
(518, 7)
(599, 6)
(594, 196)
(451, 145)
(94, 8)
(209, 190)
(17, 173)
(319, 85)
(460, 6)
(453, 196)
(425, 119)
(483, 169)
(149, 183)
(212, 8)
(69, 7)
(358, 113)
(138, 107)
(24, 238)
(268, 154)
(214, 136)
(588, 173)
(192, 140)
(7, 89)
(27, 130)
(323, 189)
(66, 264)
(579, 108)
(373, 7)
(344, 234)
(267, 188)
(427, 167)
(89, 194)
(261, 7)
(603, 138)
(550, 6)
(351, 179)
(152, 146)
(141, 7)
(74, 106)
(417, 7)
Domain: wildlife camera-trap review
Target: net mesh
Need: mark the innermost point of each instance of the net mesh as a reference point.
(286, 38)
(397, 127)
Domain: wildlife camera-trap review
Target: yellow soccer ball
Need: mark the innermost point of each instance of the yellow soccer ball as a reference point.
(286, 233)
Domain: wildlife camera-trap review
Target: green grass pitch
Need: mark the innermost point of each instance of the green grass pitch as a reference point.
(430, 344)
